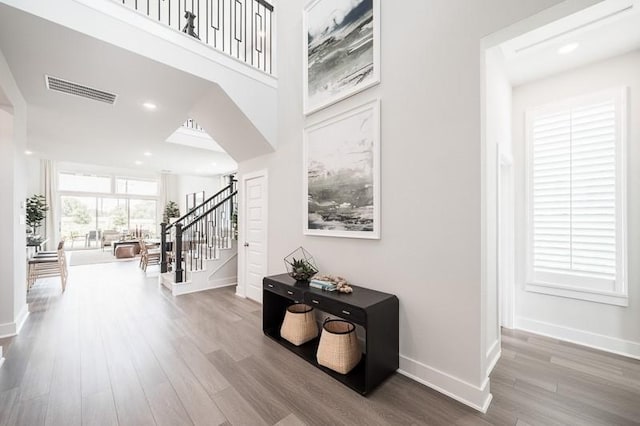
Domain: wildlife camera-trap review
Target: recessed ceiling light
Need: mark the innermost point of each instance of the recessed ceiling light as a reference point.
(27, 152)
(568, 48)
(147, 154)
(138, 162)
(150, 106)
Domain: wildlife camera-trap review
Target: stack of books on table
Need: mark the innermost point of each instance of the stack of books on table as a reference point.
(322, 285)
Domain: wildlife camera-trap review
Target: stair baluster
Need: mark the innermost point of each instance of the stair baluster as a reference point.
(199, 235)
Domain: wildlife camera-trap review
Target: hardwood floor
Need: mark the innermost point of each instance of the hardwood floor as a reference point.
(116, 349)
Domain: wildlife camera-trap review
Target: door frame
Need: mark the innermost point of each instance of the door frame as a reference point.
(506, 243)
(241, 289)
(488, 170)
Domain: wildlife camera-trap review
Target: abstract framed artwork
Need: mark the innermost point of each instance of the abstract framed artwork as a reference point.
(341, 178)
(194, 199)
(341, 50)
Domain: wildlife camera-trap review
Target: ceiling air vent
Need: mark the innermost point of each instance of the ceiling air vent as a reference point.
(71, 88)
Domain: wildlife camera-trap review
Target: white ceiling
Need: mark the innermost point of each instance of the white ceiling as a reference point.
(606, 30)
(69, 128)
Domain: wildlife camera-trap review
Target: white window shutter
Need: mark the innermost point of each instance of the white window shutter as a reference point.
(593, 192)
(575, 194)
(552, 192)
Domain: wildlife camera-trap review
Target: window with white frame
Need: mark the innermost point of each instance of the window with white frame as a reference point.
(136, 186)
(577, 198)
(90, 204)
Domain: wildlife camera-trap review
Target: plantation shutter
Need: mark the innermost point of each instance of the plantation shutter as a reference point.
(573, 192)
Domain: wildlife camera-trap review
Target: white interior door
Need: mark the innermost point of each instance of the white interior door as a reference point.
(255, 234)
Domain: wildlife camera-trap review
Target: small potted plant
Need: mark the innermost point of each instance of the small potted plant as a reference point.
(171, 211)
(36, 211)
(300, 265)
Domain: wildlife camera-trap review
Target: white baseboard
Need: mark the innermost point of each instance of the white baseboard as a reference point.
(190, 287)
(11, 329)
(7, 329)
(493, 355)
(475, 397)
(22, 318)
(585, 338)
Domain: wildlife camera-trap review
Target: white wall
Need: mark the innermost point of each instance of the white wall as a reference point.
(610, 327)
(34, 179)
(429, 253)
(186, 184)
(13, 137)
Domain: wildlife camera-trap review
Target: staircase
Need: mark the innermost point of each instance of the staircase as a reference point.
(199, 250)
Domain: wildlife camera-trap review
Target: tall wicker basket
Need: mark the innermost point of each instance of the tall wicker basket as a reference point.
(339, 349)
(299, 325)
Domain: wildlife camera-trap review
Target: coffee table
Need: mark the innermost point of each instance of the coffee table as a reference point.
(136, 243)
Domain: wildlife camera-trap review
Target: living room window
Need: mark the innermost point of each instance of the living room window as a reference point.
(577, 198)
(84, 183)
(91, 206)
(136, 186)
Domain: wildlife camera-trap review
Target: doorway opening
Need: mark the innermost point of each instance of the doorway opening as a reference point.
(558, 151)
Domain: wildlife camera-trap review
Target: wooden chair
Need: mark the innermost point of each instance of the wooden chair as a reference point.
(148, 256)
(48, 264)
(50, 252)
(89, 237)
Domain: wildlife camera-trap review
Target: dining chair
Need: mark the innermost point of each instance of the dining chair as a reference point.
(48, 264)
(148, 256)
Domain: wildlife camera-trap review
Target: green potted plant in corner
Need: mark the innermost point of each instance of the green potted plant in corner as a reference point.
(171, 211)
(36, 212)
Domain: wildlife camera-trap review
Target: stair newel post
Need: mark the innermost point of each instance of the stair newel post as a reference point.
(163, 247)
(229, 221)
(178, 251)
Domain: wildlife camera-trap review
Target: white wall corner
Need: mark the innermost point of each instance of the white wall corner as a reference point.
(7, 329)
(592, 340)
(11, 329)
(475, 397)
(22, 318)
(493, 356)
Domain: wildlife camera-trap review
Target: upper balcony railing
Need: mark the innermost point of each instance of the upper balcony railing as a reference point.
(191, 124)
(242, 29)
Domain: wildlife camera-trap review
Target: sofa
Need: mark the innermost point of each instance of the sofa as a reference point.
(108, 237)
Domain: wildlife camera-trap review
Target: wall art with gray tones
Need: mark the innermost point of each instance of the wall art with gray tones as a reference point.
(342, 50)
(342, 174)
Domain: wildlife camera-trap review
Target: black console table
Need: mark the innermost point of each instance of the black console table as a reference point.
(375, 311)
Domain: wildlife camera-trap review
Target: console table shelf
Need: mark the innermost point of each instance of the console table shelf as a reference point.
(375, 311)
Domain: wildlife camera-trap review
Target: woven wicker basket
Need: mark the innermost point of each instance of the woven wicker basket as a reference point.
(339, 349)
(299, 325)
